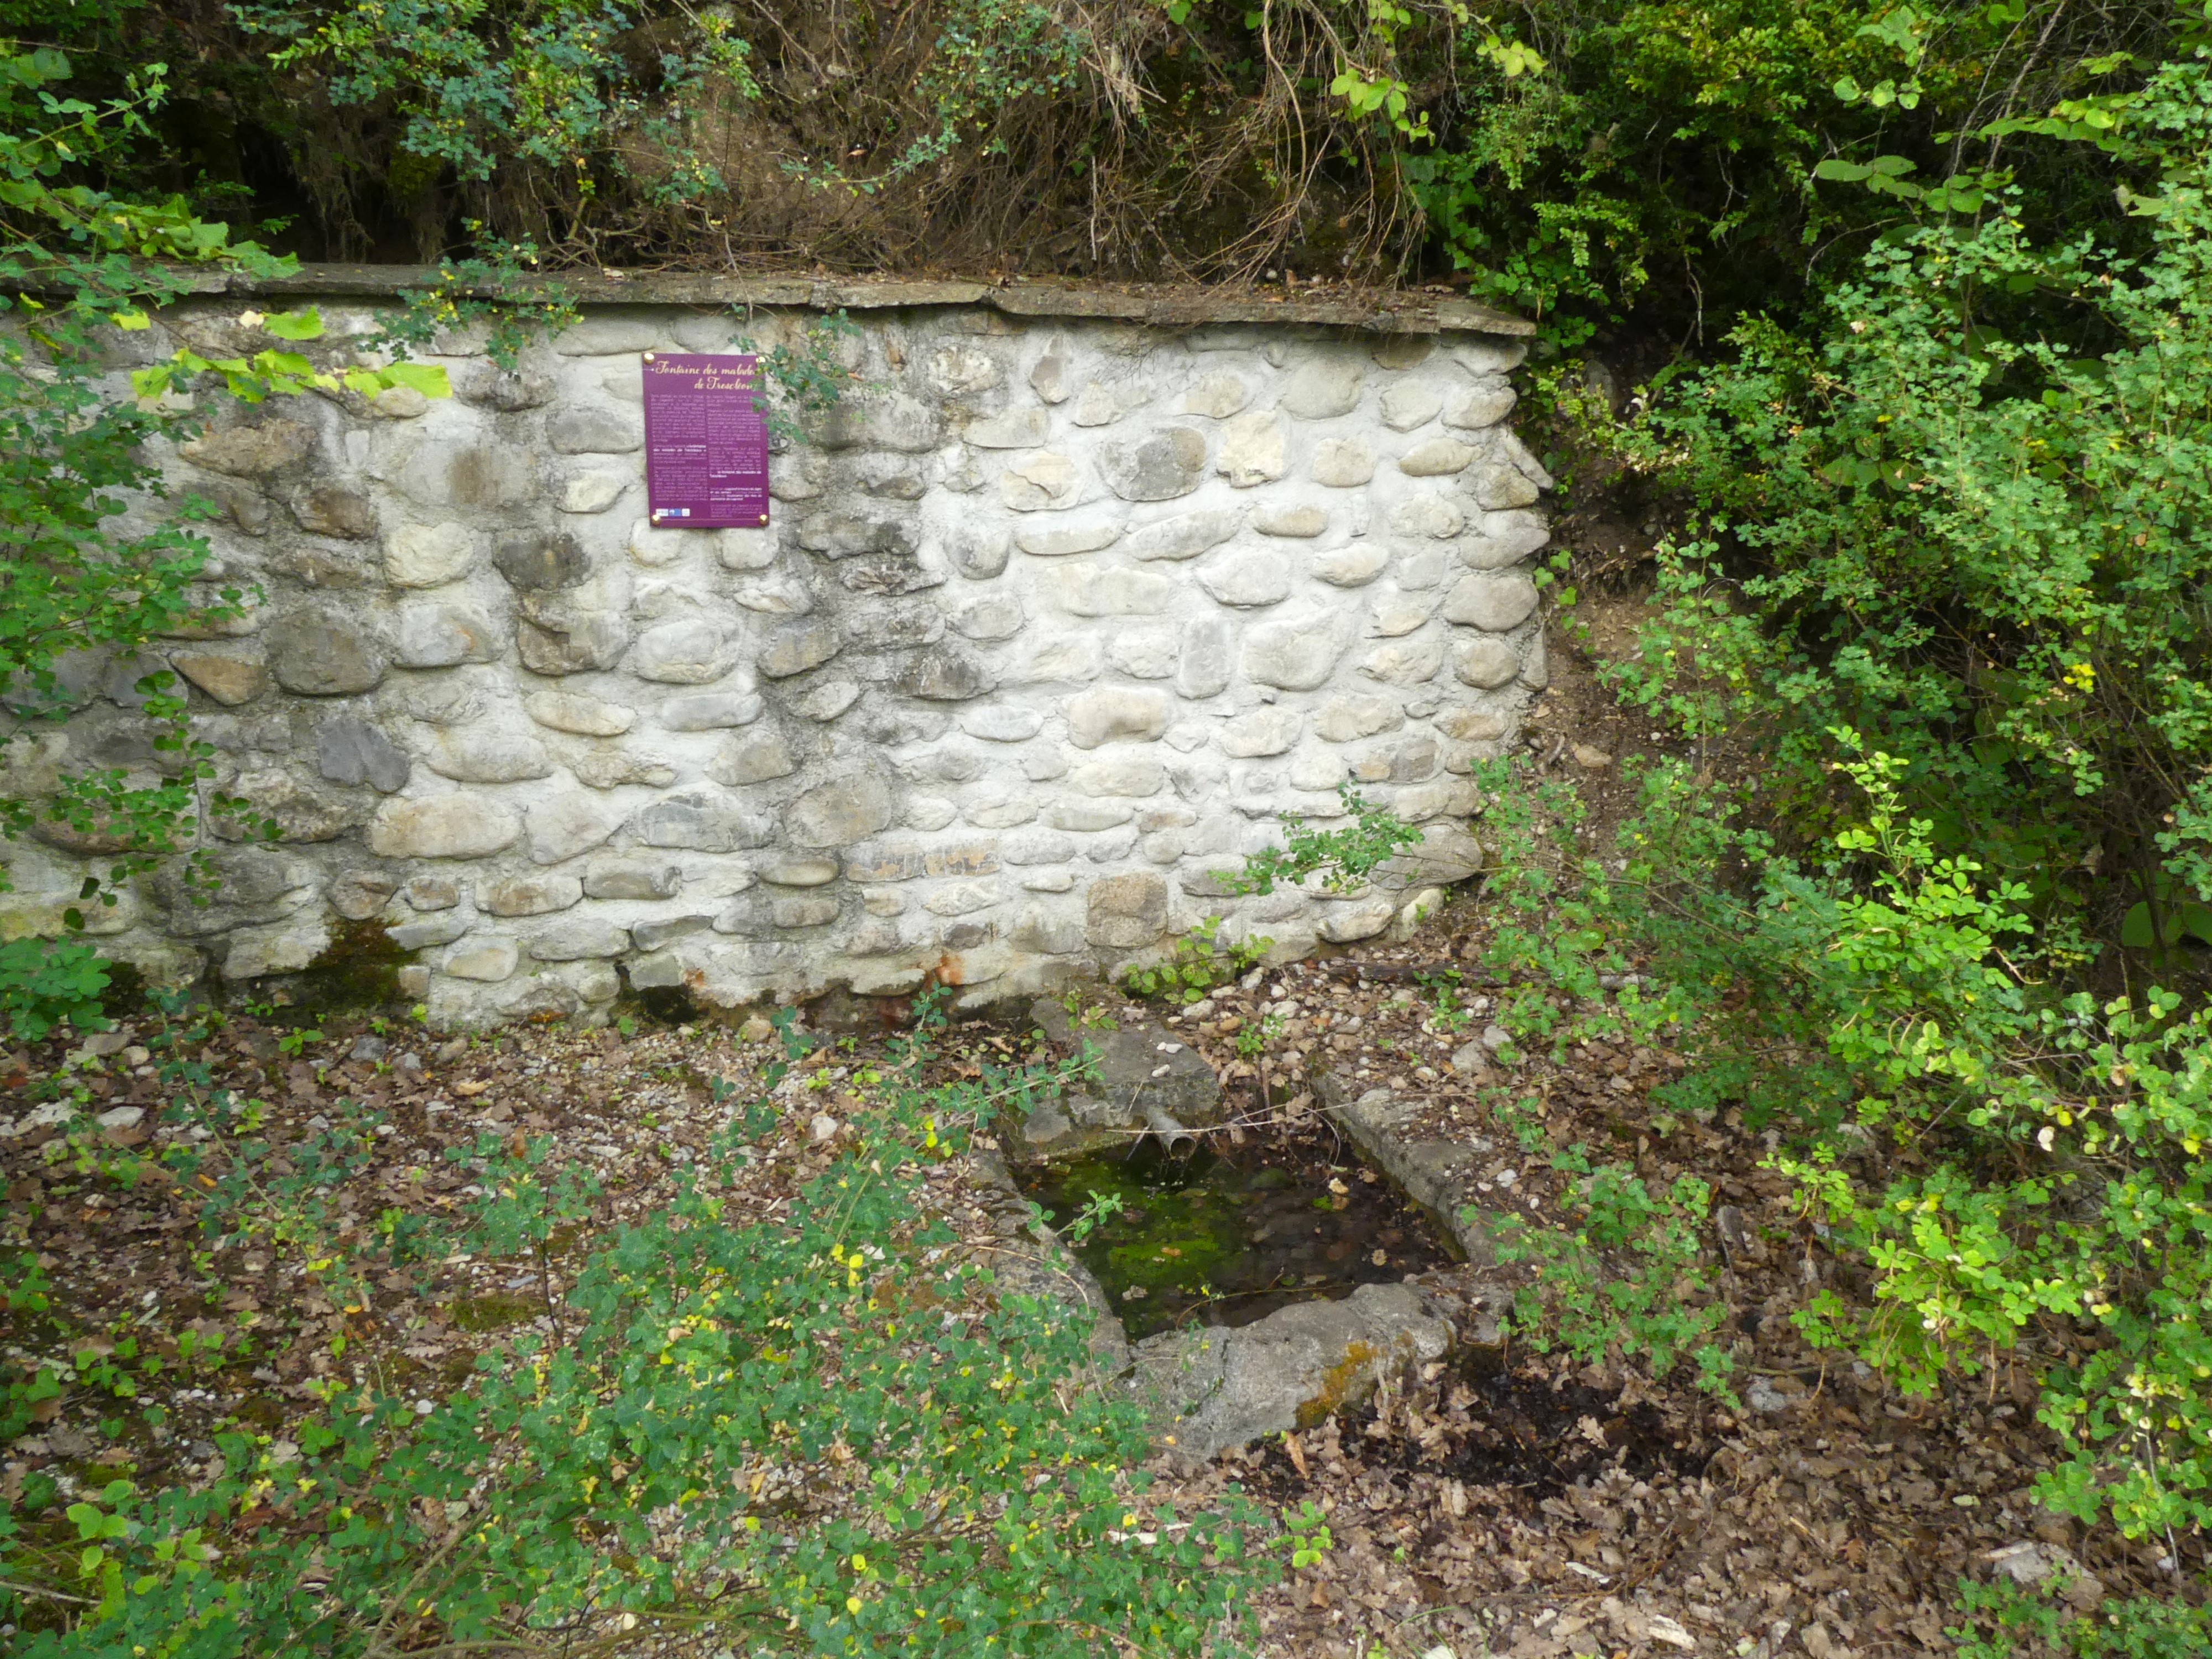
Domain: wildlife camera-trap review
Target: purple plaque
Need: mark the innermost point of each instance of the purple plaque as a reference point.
(706, 442)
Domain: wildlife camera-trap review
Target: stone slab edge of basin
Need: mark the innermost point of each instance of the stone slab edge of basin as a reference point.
(1206, 1390)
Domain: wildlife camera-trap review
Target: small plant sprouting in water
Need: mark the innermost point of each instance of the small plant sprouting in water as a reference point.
(1100, 1208)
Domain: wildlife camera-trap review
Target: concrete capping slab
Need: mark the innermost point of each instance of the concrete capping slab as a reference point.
(1156, 305)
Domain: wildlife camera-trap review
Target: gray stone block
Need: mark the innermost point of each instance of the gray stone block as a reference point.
(329, 510)
(1296, 653)
(979, 550)
(567, 826)
(507, 391)
(943, 674)
(843, 535)
(1354, 565)
(443, 637)
(581, 939)
(441, 929)
(666, 930)
(1185, 536)
(1218, 395)
(1263, 731)
(1485, 662)
(1156, 467)
(701, 820)
(250, 452)
(542, 561)
(456, 826)
(485, 755)
(468, 475)
(585, 430)
(1435, 458)
(709, 711)
(555, 645)
(1208, 652)
(692, 651)
(1247, 578)
(1495, 603)
(840, 812)
(1085, 590)
(1059, 541)
(325, 653)
(753, 758)
(1128, 913)
(1323, 388)
(631, 879)
(528, 896)
(606, 336)
(348, 749)
(491, 957)
(1115, 714)
(1254, 449)
(575, 712)
(795, 648)
(1343, 463)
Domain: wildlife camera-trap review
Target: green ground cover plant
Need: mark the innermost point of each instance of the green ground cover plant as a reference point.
(818, 1432)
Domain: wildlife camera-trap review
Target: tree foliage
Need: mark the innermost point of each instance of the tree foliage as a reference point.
(1585, 163)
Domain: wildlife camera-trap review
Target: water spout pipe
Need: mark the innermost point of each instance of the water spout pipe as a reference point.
(1172, 1135)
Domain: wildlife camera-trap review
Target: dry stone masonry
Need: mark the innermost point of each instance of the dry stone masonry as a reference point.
(1056, 619)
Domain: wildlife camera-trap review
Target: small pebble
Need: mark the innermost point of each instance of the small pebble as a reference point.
(368, 1048)
(824, 1127)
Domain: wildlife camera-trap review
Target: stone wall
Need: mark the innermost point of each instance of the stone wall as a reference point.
(1057, 619)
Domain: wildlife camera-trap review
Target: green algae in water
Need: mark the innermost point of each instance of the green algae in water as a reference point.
(1225, 1236)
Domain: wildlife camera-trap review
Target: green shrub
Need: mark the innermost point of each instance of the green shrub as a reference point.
(1964, 523)
(47, 982)
(1622, 1278)
(1201, 960)
(1342, 857)
(2009, 1161)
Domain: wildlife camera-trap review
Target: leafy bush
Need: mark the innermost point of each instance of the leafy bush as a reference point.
(44, 982)
(1201, 960)
(2011, 1161)
(1623, 1279)
(85, 588)
(1343, 858)
(1965, 524)
(2133, 1627)
(1585, 164)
